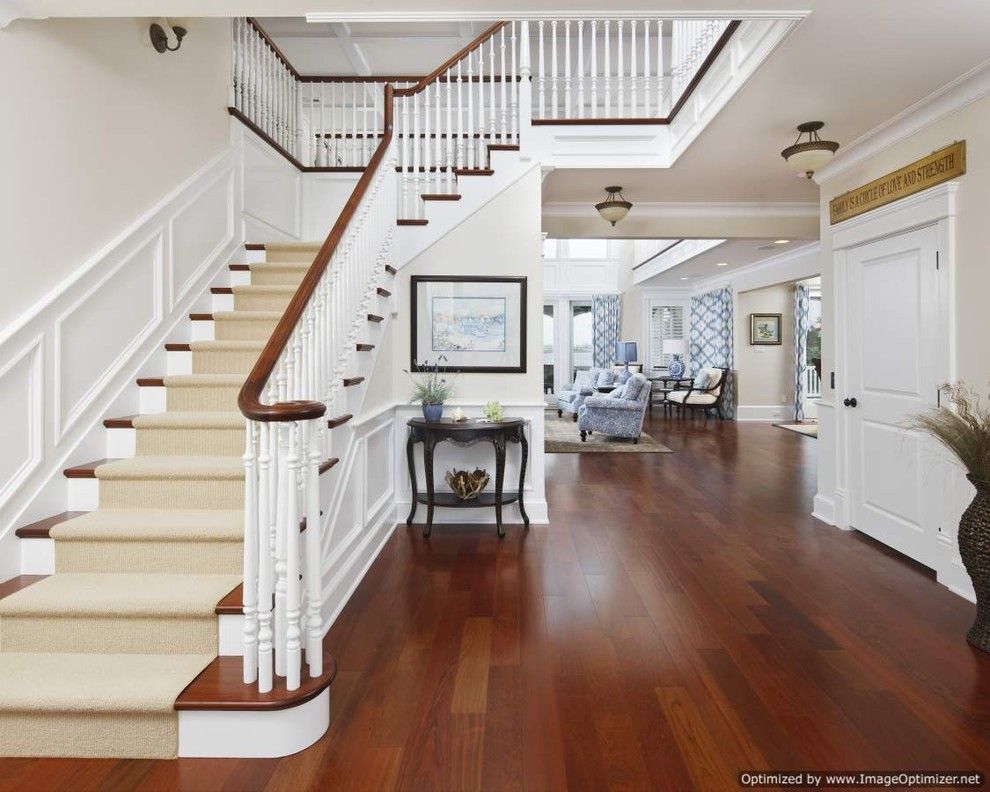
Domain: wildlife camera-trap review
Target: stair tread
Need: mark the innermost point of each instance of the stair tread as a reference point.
(40, 528)
(148, 524)
(43, 682)
(203, 380)
(17, 583)
(86, 469)
(189, 420)
(221, 686)
(226, 346)
(340, 420)
(245, 316)
(264, 288)
(149, 467)
(76, 594)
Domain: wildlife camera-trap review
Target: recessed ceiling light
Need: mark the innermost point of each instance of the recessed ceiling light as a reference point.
(722, 264)
(685, 277)
(781, 241)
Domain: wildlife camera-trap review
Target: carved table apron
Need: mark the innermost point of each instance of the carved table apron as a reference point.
(466, 433)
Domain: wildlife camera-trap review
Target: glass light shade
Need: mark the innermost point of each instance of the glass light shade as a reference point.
(806, 157)
(615, 207)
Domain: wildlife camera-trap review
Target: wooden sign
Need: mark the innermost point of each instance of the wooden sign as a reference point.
(937, 167)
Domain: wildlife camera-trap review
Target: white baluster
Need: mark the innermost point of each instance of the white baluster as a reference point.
(504, 121)
(646, 68)
(460, 119)
(427, 148)
(406, 164)
(567, 69)
(492, 108)
(250, 587)
(608, 70)
(264, 550)
(660, 70)
(437, 159)
(554, 106)
(620, 70)
(542, 73)
(633, 88)
(580, 71)
(471, 163)
(451, 142)
(514, 74)
(417, 162)
(594, 68)
(314, 568)
(321, 151)
(293, 646)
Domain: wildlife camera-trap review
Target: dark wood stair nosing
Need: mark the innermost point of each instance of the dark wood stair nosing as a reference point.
(390, 269)
(351, 381)
(221, 290)
(178, 347)
(364, 347)
(375, 318)
(340, 420)
(201, 317)
(328, 464)
(382, 292)
(151, 382)
(41, 529)
(127, 422)
(410, 221)
(441, 196)
(474, 172)
(239, 267)
(86, 469)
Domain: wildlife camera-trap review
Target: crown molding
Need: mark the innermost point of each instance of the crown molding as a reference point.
(16, 9)
(692, 209)
(774, 262)
(964, 90)
(545, 14)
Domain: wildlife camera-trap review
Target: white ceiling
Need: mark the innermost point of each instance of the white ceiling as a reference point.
(850, 63)
(735, 253)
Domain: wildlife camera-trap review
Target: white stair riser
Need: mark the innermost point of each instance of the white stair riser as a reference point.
(121, 443)
(178, 362)
(202, 330)
(253, 734)
(222, 302)
(151, 399)
(83, 494)
(240, 278)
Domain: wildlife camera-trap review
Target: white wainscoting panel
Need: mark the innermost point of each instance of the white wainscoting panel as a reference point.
(71, 359)
(324, 196)
(272, 190)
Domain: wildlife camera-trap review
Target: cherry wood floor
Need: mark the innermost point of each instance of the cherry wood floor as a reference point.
(682, 618)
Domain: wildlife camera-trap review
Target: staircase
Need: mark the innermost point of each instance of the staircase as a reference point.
(185, 581)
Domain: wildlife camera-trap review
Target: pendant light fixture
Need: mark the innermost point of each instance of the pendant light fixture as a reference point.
(614, 207)
(807, 156)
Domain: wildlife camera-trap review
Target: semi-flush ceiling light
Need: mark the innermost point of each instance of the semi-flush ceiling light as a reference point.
(722, 264)
(805, 157)
(781, 241)
(614, 207)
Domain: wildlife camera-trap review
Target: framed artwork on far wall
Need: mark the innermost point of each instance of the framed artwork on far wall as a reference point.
(475, 323)
(764, 329)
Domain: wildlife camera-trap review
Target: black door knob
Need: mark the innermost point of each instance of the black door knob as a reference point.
(850, 402)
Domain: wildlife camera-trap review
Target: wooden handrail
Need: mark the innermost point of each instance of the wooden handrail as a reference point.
(275, 48)
(452, 60)
(249, 399)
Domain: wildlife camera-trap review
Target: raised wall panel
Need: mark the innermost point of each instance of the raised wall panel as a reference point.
(272, 190)
(98, 333)
(21, 410)
(378, 483)
(324, 196)
(198, 233)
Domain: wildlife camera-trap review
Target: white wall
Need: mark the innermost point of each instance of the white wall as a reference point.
(98, 127)
(765, 374)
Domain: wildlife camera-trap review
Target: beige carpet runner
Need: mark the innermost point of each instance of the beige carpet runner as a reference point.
(93, 657)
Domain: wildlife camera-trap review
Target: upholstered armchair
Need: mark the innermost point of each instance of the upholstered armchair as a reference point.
(707, 393)
(618, 414)
(571, 397)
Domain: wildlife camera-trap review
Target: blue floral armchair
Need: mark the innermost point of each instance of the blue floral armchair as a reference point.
(571, 397)
(619, 414)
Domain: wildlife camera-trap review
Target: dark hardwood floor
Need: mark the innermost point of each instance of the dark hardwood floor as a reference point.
(683, 618)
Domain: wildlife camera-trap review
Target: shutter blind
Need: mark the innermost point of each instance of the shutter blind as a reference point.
(666, 322)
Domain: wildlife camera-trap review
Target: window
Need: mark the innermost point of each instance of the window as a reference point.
(666, 323)
(587, 248)
(548, 348)
(550, 248)
(581, 338)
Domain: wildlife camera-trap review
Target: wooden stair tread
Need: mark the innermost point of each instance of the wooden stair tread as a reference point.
(473, 172)
(41, 529)
(328, 464)
(375, 318)
(86, 469)
(151, 382)
(441, 196)
(220, 686)
(340, 420)
(351, 381)
(127, 422)
(412, 221)
(177, 347)
(17, 583)
(364, 347)
(201, 317)
(390, 269)
(254, 246)
(503, 147)
(239, 267)
(384, 292)
(221, 290)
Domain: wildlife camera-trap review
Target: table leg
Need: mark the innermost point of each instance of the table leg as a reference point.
(524, 458)
(499, 478)
(429, 446)
(410, 460)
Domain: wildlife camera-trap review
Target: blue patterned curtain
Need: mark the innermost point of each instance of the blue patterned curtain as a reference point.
(606, 314)
(802, 323)
(711, 337)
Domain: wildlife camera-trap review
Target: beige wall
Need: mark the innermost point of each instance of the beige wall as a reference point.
(98, 128)
(501, 239)
(765, 374)
(972, 273)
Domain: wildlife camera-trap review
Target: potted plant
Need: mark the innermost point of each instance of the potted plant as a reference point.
(431, 389)
(965, 431)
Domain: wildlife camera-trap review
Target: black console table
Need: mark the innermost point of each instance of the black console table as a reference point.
(466, 433)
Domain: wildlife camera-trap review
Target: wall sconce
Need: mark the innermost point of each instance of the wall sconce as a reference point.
(159, 38)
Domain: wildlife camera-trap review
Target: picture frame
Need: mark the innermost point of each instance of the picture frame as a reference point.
(765, 329)
(469, 323)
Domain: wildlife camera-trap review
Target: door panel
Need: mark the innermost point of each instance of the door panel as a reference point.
(892, 364)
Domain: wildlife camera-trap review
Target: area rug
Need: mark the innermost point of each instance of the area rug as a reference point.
(807, 429)
(561, 436)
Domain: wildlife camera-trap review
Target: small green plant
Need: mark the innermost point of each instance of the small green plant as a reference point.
(429, 385)
(964, 429)
(493, 411)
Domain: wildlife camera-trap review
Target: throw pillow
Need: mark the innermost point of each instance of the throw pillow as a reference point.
(623, 376)
(701, 379)
(606, 378)
(632, 388)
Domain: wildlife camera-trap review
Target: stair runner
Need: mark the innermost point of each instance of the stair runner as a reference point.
(93, 657)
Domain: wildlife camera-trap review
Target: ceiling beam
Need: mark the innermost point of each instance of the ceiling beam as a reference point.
(352, 50)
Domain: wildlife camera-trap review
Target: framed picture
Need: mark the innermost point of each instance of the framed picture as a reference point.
(764, 329)
(470, 324)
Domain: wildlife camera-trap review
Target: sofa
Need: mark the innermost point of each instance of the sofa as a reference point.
(617, 414)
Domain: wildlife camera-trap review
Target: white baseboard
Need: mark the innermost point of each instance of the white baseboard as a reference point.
(823, 509)
(536, 511)
(774, 413)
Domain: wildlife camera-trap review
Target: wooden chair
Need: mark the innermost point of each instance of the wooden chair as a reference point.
(712, 397)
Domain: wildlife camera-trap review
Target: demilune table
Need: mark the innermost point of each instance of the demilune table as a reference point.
(466, 433)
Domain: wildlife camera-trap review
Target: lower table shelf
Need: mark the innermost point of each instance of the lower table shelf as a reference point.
(484, 499)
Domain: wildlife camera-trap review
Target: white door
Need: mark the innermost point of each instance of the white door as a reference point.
(893, 363)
